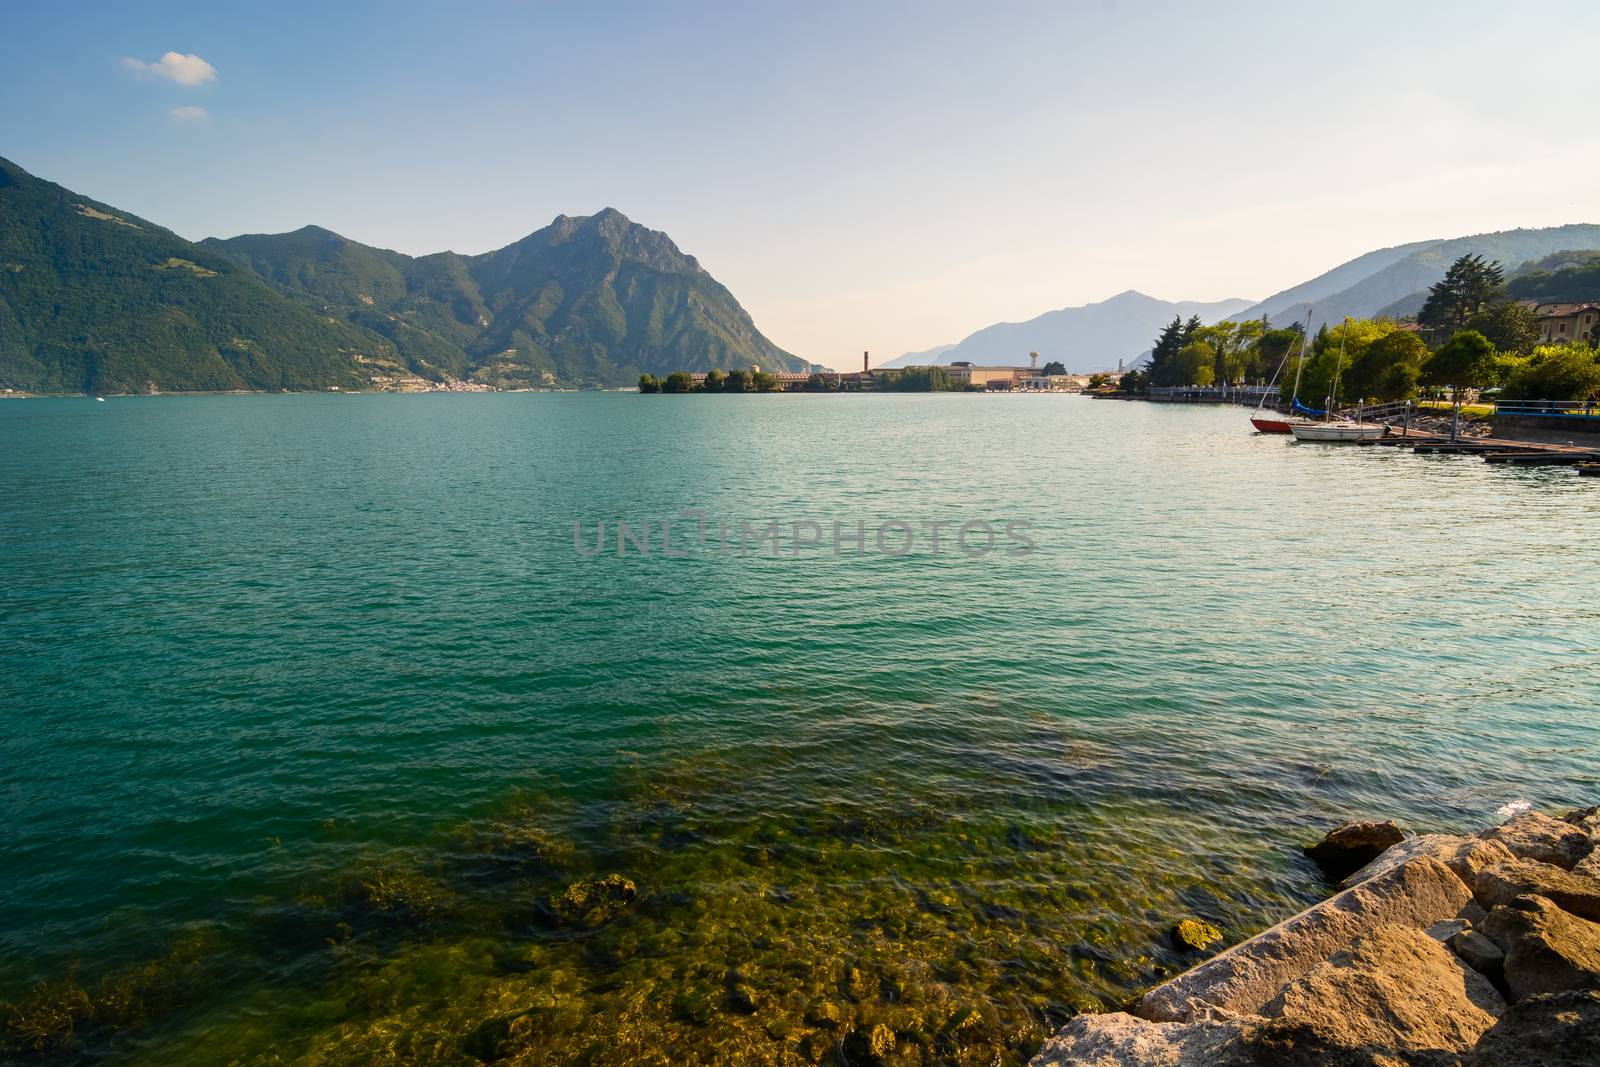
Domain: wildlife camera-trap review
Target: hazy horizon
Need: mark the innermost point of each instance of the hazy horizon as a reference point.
(889, 179)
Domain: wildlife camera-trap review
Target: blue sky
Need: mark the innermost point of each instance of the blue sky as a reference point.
(863, 176)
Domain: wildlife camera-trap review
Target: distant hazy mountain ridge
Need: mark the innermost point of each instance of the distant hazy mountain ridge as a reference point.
(96, 300)
(1091, 337)
(1394, 281)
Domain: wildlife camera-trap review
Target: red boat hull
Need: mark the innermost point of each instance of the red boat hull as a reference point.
(1270, 425)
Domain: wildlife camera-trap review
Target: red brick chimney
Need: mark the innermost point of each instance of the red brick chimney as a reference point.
(865, 366)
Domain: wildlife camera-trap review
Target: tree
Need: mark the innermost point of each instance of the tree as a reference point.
(1557, 372)
(1387, 369)
(1232, 347)
(1319, 343)
(737, 381)
(648, 383)
(764, 382)
(819, 383)
(1054, 367)
(1166, 346)
(1471, 286)
(1509, 327)
(679, 381)
(1134, 383)
(1466, 361)
(714, 380)
(1271, 350)
(1099, 381)
(1195, 364)
(1333, 353)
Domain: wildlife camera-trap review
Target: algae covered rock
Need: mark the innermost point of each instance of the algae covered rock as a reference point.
(1346, 849)
(825, 1014)
(873, 1044)
(1194, 935)
(593, 902)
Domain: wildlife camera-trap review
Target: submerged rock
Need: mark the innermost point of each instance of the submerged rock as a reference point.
(1395, 992)
(1348, 848)
(874, 1044)
(1534, 836)
(1549, 1030)
(1246, 976)
(825, 1014)
(1571, 891)
(1194, 935)
(1547, 950)
(593, 902)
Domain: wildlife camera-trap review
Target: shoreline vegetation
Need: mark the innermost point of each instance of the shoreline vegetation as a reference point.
(1475, 333)
(907, 380)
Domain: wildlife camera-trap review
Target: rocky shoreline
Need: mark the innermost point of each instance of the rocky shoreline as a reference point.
(1438, 950)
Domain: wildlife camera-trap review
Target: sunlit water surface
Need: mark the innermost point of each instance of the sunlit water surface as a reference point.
(311, 708)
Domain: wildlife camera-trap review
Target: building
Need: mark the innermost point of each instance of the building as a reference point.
(1560, 323)
(967, 373)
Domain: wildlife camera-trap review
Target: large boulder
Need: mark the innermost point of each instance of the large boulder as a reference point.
(1395, 994)
(1502, 883)
(1241, 979)
(1121, 1040)
(1350, 847)
(1534, 836)
(1464, 855)
(1549, 1030)
(1547, 949)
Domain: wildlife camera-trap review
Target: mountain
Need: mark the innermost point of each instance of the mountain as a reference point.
(917, 359)
(1091, 337)
(94, 299)
(589, 300)
(1394, 280)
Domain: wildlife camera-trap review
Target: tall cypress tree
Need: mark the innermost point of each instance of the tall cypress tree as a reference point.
(1166, 346)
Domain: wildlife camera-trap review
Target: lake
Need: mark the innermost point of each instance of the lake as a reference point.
(315, 707)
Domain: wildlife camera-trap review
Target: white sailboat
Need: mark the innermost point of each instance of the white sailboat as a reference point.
(1329, 430)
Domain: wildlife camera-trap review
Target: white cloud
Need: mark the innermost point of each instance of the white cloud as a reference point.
(188, 70)
(190, 114)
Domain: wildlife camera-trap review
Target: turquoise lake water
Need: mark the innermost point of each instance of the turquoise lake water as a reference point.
(311, 707)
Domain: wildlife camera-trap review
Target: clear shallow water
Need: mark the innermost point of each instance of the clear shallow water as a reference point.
(316, 689)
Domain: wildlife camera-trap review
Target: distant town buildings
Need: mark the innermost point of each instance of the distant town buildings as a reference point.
(963, 373)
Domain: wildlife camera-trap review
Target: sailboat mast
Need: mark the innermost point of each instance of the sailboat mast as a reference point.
(1300, 365)
(1338, 366)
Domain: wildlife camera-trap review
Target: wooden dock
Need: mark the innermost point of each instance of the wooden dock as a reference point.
(1495, 450)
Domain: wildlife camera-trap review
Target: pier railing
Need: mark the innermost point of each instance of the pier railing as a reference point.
(1566, 409)
(1214, 394)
